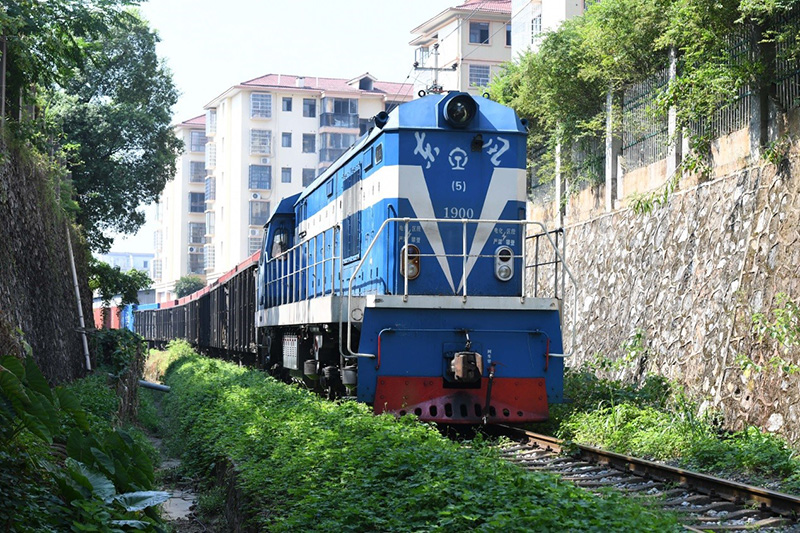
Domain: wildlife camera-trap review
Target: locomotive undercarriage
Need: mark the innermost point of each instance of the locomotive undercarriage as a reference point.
(310, 356)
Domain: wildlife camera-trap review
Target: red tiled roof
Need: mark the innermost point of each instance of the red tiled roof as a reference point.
(493, 6)
(327, 84)
(196, 121)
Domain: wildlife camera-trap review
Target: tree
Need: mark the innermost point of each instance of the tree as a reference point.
(188, 284)
(117, 110)
(110, 282)
(47, 41)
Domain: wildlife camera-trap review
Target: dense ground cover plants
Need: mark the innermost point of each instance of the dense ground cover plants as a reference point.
(66, 462)
(656, 420)
(304, 464)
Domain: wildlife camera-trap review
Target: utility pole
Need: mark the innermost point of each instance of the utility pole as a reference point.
(3, 81)
(435, 87)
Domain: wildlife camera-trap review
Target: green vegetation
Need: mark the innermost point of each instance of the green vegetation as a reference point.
(561, 89)
(656, 420)
(87, 93)
(304, 464)
(186, 285)
(64, 466)
(781, 335)
(110, 281)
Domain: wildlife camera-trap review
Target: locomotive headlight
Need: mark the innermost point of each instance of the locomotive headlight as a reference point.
(460, 110)
(503, 263)
(409, 261)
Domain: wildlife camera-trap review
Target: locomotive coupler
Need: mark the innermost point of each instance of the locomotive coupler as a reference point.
(467, 367)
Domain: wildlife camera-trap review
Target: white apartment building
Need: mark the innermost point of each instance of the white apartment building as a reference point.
(267, 139)
(531, 19)
(180, 214)
(463, 47)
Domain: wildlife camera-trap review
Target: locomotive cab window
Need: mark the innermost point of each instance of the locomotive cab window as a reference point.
(368, 158)
(378, 154)
(280, 241)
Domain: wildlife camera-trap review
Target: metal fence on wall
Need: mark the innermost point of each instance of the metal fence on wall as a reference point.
(737, 113)
(644, 133)
(787, 73)
(541, 186)
(589, 160)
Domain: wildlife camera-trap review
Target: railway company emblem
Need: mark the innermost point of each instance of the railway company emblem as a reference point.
(458, 158)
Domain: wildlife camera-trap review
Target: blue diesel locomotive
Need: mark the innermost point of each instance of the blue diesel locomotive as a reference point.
(399, 275)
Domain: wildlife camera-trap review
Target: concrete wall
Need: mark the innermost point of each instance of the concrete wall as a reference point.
(690, 276)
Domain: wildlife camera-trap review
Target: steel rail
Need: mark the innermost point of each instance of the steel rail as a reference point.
(780, 503)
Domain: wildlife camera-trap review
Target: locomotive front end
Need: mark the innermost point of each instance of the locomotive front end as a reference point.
(456, 338)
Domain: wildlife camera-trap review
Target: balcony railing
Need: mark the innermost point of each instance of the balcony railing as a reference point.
(339, 120)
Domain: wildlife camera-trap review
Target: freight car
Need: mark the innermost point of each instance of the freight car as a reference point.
(405, 275)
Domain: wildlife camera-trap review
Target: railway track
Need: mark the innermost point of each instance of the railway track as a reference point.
(704, 503)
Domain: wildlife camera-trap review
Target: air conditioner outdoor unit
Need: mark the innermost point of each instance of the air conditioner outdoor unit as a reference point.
(192, 249)
(265, 160)
(255, 196)
(254, 232)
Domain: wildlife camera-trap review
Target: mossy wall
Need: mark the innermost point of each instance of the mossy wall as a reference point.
(37, 297)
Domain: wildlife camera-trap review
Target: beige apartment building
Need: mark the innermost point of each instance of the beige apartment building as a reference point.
(262, 140)
(531, 19)
(180, 213)
(463, 47)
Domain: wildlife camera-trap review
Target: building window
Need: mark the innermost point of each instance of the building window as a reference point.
(309, 107)
(286, 103)
(211, 156)
(260, 177)
(286, 175)
(197, 202)
(260, 141)
(479, 32)
(308, 176)
(211, 188)
(254, 245)
(158, 240)
(286, 140)
(309, 143)
(211, 122)
(197, 232)
(536, 27)
(208, 252)
(259, 213)
(197, 141)
(197, 171)
(210, 220)
(478, 75)
(196, 264)
(157, 273)
(508, 34)
(260, 105)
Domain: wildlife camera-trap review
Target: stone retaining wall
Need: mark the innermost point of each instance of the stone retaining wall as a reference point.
(688, 277)
(37, 296)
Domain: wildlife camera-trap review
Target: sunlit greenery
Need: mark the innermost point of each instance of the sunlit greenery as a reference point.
(562, 87)
(304, 464)
(658, 421)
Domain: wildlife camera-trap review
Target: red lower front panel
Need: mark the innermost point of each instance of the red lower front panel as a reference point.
(512, 400)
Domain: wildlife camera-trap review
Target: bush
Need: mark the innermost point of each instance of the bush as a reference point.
(304, 464)
(63, 467)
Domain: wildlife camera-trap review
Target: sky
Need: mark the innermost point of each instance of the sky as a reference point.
(211, 45)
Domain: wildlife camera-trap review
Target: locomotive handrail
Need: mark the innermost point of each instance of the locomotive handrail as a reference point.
(288, 265)
(464, 254)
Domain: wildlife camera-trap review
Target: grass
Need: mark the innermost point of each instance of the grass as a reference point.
(657, 421)
(305, 464)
